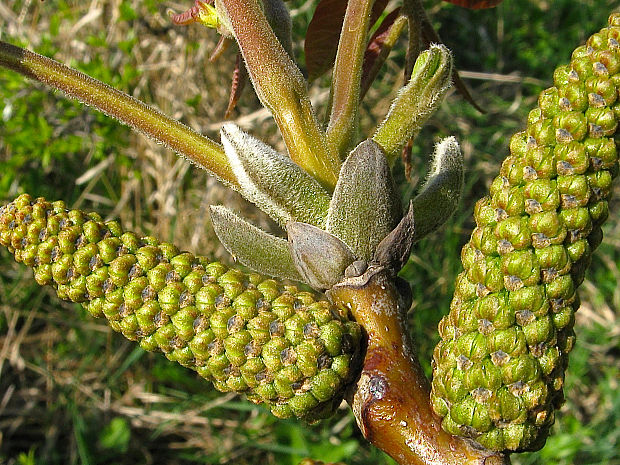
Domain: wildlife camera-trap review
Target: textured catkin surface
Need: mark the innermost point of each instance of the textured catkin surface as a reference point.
(245, 333)
(498, 371)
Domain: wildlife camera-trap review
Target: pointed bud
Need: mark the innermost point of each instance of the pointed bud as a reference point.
(365, 206)
(441, 192)
(430, 80)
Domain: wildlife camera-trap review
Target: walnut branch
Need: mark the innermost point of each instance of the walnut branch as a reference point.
(391, 397)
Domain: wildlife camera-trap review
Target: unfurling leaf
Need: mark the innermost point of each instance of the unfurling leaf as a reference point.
(441, 192)
(428, 37)
(430, 80)
(253, 247)
(202, 12)
(206, 13)
(272, 181)
(365, 206)
(320, 257)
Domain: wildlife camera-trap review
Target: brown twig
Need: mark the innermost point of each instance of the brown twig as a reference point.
(391, 397)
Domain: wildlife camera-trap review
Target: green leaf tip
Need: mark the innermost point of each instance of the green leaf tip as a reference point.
(440, 194)
(251, 246)
(415, 103)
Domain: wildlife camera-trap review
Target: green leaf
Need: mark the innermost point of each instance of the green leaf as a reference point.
(116, 435)
(128, 14)
(272, 181)
(415, 103)
(320, 257)
(365, 206)
(252, 246)
(442, 190)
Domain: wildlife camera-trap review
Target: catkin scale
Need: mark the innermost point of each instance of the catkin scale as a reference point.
(279, 345)
(498, 371)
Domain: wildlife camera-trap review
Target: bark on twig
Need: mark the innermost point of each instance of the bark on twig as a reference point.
(391, 397)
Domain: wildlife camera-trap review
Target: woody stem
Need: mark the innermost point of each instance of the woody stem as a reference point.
(391, 398)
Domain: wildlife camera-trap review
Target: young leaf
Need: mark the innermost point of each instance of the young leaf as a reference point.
(320, 257)
(365, 206)
(429, 36)
(441, 192)
(272, 181)
(430, 80)
(252, 246)
(202, 12)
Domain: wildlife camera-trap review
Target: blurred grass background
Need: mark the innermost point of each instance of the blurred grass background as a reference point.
(74, 392)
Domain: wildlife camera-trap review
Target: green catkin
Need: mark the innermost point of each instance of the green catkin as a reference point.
(245, 333)
(498, 371)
